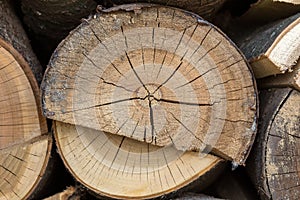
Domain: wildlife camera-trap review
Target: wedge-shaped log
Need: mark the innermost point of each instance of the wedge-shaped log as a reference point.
(274, 48)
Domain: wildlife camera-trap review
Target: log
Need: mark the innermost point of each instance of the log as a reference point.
(12, 32)
(205, 8)
(54, 18)
(265, 11)
(274, 48)
(25, 145)
(140, 94)
(194, 196)
(50, 21)
(274, 161)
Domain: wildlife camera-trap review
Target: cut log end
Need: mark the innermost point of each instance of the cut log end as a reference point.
(20, 118)
(274, 162)
(159, 80)
(24, 147)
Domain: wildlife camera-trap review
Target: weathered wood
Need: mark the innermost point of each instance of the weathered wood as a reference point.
(24, 144)
(140, 88)
(291, 79)
(153, 80)
(11, 31)
(274, 161)
(274, 48)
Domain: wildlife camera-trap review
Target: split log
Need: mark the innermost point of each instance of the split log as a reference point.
(142, 96)
(274, 161)
(12, 32)
(274, 48)
(264, 11)
(25, 145)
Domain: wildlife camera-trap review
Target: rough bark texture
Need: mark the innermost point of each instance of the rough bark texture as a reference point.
(205, 8)
(55, 18)
(274, 161)
(11, 30)
(49, 21)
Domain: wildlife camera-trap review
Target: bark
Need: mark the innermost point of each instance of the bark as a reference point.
(193, 196)
(53, 18)
(127, 92)
(11, 31)
(273, 163)
(205, 8)
(48, 22)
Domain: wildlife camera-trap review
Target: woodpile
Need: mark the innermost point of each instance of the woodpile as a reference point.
(150, 99)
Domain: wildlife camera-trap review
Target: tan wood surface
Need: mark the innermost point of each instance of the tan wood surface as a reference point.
(143, 95)
(274, 48)
(122, 168)
(154, 80)
(24, 144)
